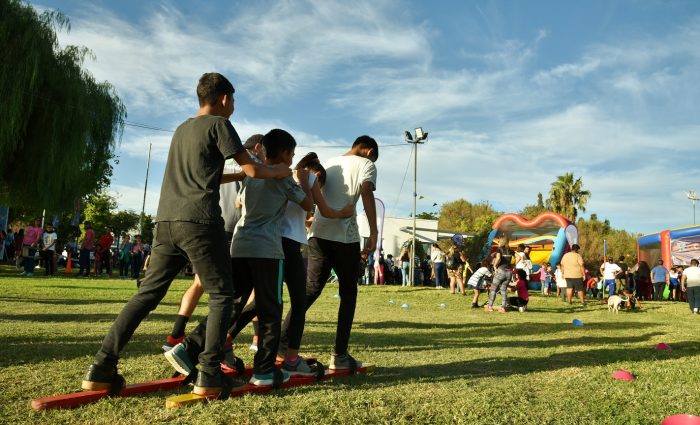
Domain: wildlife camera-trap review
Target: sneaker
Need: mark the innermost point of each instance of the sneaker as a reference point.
(216, 384)
(475, 305)
(521, 309)
(231, 362)
(343, 361)
(253, 348)
(171, 341)
(179, 357)
(502, 310)
(23, 274)
(100, 378)
(300, 368)
(488, 308)
(267, 379)
(29, 274)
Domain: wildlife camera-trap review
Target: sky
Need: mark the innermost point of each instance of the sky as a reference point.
(512, 93)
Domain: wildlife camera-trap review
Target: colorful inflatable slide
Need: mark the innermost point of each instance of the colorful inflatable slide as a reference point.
(549, 235)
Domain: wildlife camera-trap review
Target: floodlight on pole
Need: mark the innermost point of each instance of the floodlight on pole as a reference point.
(693, 197)
(420, 137)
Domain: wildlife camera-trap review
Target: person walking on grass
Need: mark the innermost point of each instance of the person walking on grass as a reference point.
(454, 262)
(660, 278)
(437, 259)
(610, 270)
(189, 228)
(574, 272)
(690, 282)
(501, 262)
(334, 243)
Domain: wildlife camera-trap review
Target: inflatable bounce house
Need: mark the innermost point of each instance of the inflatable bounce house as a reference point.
(676, 247)
(549, 235)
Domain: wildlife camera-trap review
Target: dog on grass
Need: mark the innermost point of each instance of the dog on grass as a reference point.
(614, 303)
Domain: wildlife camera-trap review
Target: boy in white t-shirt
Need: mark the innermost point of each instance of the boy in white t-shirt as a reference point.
(48, 250)
(334, 243)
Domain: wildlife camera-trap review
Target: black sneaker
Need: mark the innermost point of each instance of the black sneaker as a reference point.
(100, 378)
(216, 384)
(475, 305)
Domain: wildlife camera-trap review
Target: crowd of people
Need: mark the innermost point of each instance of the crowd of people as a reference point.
(39, 247)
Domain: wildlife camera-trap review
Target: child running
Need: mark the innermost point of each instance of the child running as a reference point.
(476, 281)
(257, 261)
(189, 228)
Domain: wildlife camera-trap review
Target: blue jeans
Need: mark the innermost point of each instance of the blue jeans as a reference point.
(84, 261)
(439, 273)
(29, 260)
(405, 268)
(611, 284)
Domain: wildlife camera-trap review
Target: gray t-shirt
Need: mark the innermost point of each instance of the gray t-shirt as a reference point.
(190, 189)
(258, 233)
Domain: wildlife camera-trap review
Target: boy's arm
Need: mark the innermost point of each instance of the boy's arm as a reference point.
(232, 177)
(367, 193)
(261, 171)
(323, 207)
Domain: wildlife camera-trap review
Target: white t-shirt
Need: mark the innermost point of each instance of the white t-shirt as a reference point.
(344, 178)
(610, 270)
(293, 224)
(48, 239)
(227, 197)
(559, 276)
(692, 276)
(437, 256)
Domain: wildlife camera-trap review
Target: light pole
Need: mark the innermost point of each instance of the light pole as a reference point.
(693, 197)
(420, 138)
(145, 187)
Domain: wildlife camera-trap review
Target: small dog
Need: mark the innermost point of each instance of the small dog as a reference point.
(614, 303)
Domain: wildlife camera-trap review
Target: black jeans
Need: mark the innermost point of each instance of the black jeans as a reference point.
(174, 243)
(295, 277)
(344, 258)
(265, 276)
(659, 288)
(49, 267)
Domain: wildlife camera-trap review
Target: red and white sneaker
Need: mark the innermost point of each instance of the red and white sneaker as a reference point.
(170, 342)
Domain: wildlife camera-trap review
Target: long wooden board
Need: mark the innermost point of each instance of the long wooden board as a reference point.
(182, 400)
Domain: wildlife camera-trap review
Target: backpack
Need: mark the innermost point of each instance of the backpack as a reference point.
(453, 261)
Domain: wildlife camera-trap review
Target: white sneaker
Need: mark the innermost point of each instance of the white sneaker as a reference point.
(253, 348)
(521, 309)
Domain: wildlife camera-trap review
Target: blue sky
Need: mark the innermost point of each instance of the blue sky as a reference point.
(513, 93)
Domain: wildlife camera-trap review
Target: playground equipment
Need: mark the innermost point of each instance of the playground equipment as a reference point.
(549, 235)
(675, 247)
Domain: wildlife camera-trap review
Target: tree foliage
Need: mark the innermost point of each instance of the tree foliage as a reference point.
(593, 233)
(532, 211)
(466, 217)
(59, 124)
(567, 196)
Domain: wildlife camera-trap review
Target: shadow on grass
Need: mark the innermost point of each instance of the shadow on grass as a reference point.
(508, 366)
(72, 302)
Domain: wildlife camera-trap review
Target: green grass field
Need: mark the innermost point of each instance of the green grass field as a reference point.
(435, 364)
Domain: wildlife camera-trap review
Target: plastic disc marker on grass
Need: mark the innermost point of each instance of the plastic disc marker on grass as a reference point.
(682, 420)
(443, 305)
(663, 346)
(392, 302)
(577, 322)
(404, 305)
(623, 375)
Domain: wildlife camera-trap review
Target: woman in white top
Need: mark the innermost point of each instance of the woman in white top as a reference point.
(691, 285)
(437, 258)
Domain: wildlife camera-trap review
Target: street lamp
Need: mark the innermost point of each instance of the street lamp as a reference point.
(420, 137)
(693, 197)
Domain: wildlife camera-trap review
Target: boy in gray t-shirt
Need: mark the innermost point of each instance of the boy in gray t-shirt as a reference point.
(256, 261)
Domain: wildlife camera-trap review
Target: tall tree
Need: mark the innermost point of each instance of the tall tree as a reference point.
(464, 216)
(60, 126)
(567, 196)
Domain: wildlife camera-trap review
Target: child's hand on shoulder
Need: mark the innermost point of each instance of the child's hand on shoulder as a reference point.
(281, 171)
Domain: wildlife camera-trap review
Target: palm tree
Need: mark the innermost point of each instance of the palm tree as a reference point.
(567, 196)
